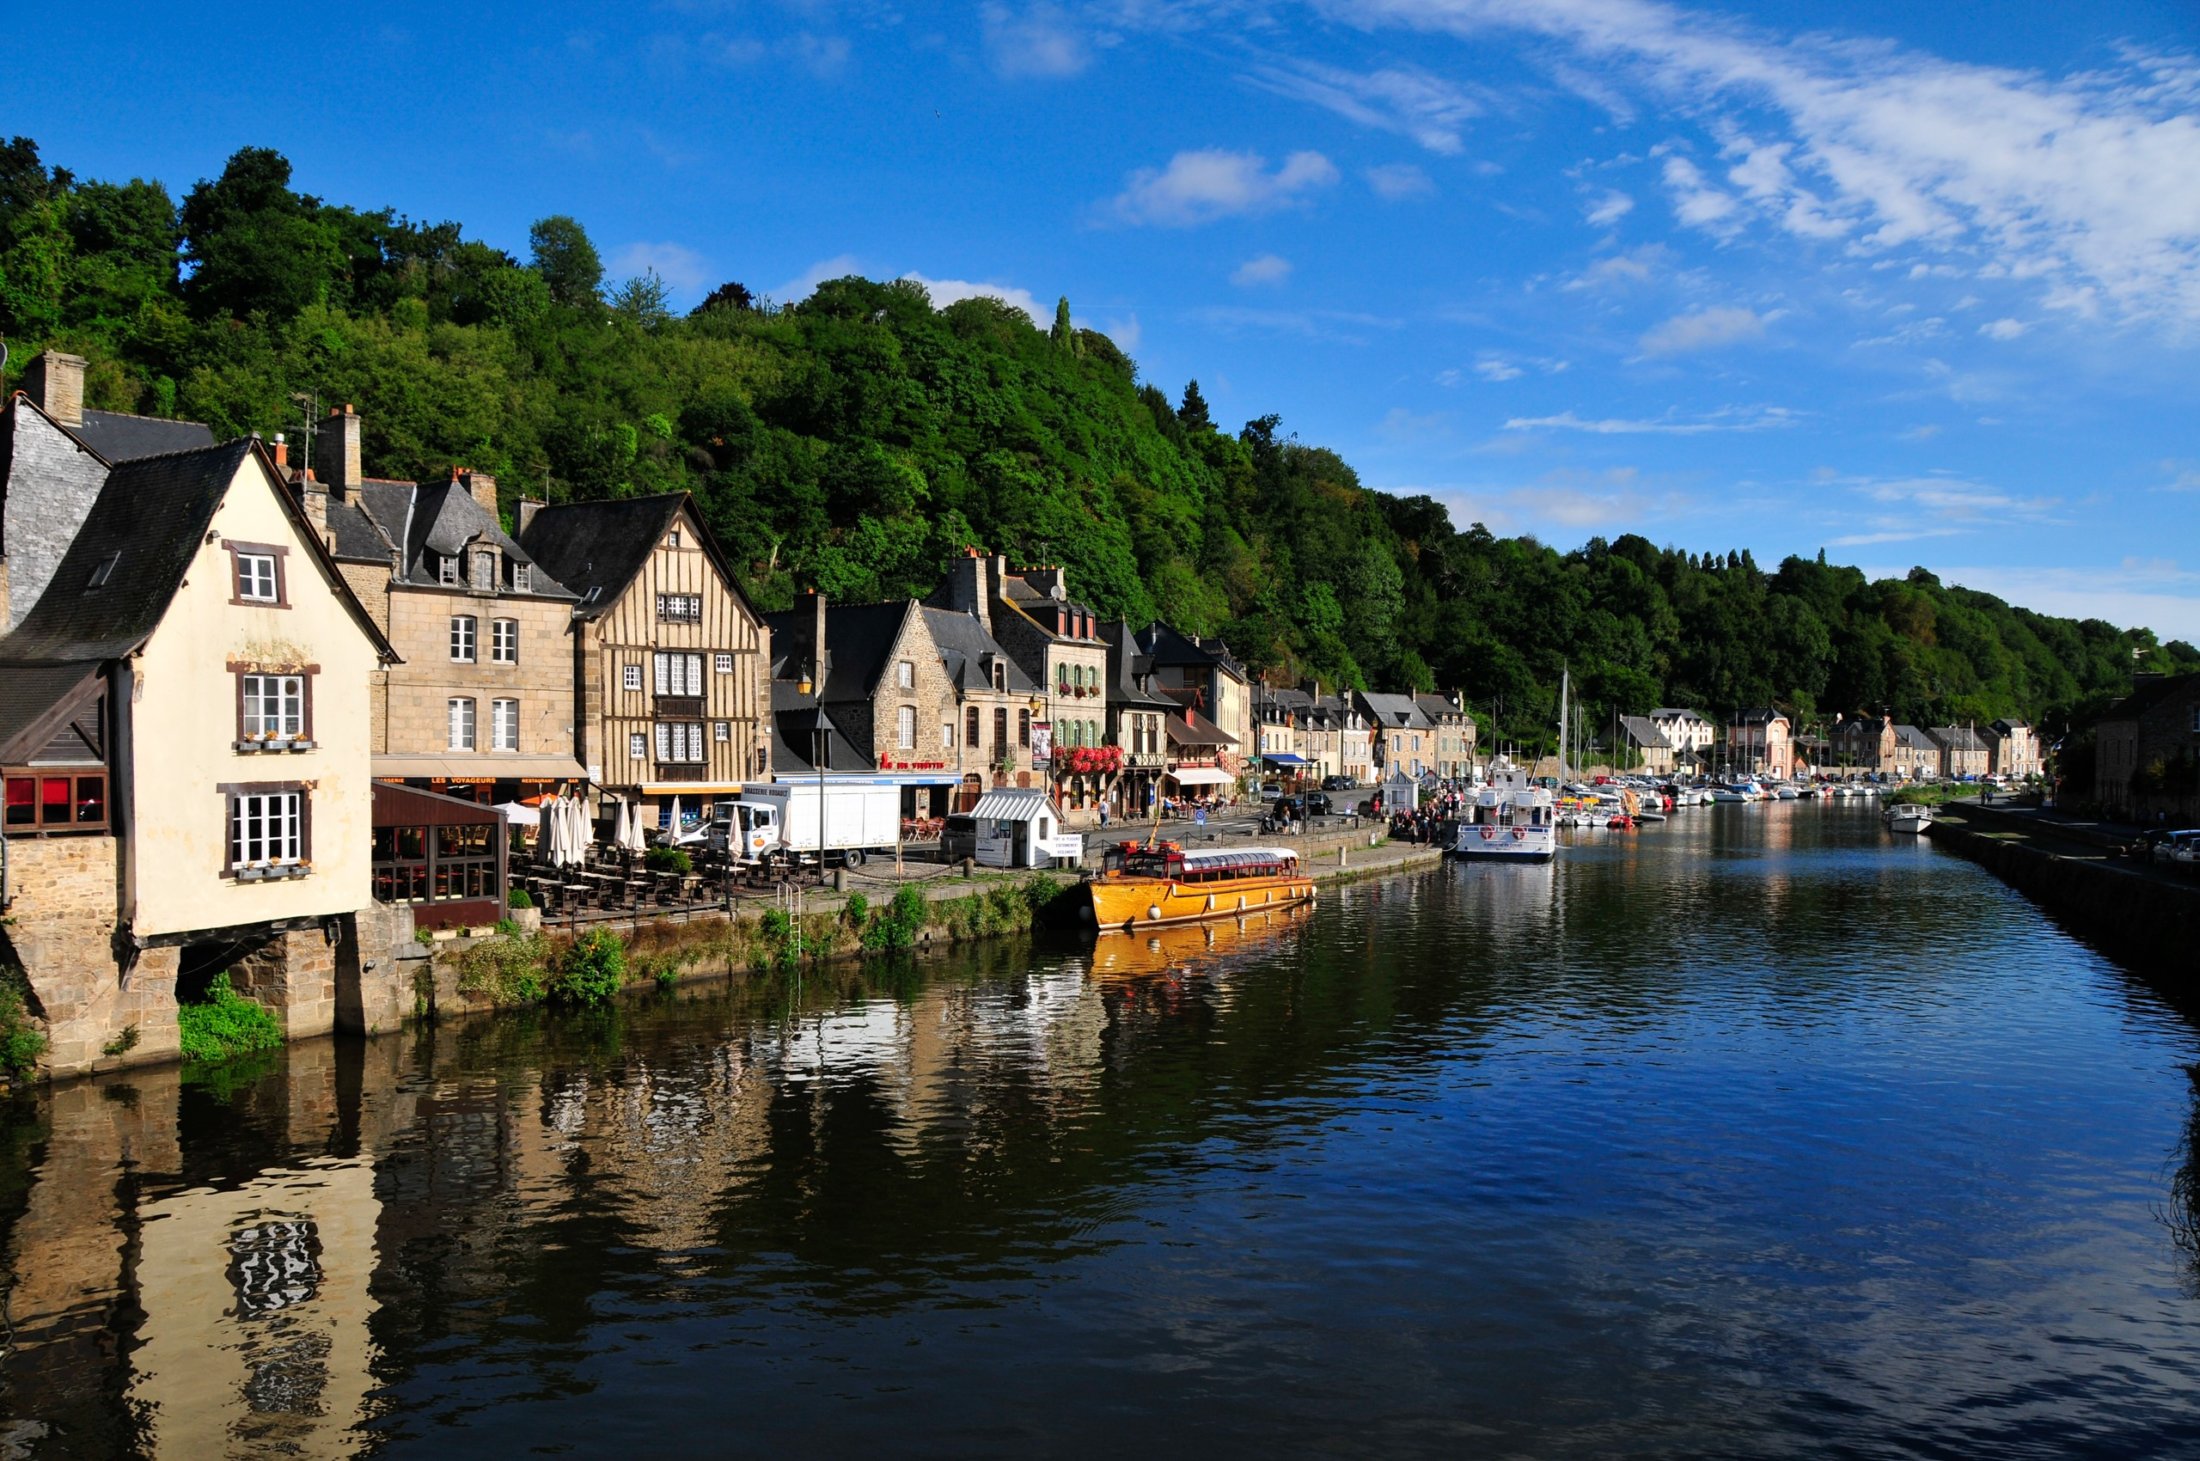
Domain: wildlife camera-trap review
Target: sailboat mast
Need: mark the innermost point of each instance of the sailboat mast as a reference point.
(1565, 694)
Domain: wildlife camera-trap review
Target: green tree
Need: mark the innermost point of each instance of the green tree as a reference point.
(566, 260)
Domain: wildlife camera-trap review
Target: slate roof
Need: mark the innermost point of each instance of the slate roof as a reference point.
(2149, 693)
(795, 718)
(431, 523)
(1912, 738)
(1173, 650)
(1194, 729)
(1127, 664)
(124, 438)
(1958, 738)
(1671, 712)
(595, 549)
(2009, 727)
(858, 638)
(31, 700)
(1757, 715)
(1644, 732)
(963, 644)
(1393, 711)
(357, 536)
(1436, 706)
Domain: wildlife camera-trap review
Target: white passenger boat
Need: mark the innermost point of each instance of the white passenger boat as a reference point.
(1908, 817)
(1512, 819)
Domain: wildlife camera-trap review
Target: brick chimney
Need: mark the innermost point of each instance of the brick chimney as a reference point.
(340, 435)
(967, 591)
(523, 514)
(483, 487)
(56, 382)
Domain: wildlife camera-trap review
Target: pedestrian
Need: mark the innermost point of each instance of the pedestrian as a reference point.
(1103, 816)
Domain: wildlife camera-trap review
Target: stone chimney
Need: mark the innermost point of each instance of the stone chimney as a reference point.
(340, 435)
(967, 590)
(523, 514)
(483, 487)
(56, 382)
(813, 603)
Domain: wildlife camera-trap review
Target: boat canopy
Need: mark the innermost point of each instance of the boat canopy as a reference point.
(1238, 857)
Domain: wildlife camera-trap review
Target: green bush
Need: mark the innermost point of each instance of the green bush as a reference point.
(894, 928)
(225, 1024)
(520, 898)
(856, 912)
(508, 969)
(592, 972)
(668, 860)
(21, 1041)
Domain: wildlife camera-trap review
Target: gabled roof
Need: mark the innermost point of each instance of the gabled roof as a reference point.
(1757, 715)
(1394, 711)
(1194, 729)
(858, 640)
(1958, 738)
(123, 438)
(1644, 732)
(964, 643)
(1672, 712)
(1126, 663)
(143, 531)
(429, 523)
(596, 549)
(1173, 650)
(1436, 706)
(796, 719)
(1915, 739)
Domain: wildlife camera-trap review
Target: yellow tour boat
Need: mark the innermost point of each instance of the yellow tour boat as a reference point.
(1144, 886)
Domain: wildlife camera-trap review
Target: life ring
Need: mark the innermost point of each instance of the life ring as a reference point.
(1520, 834)
(1489, 834)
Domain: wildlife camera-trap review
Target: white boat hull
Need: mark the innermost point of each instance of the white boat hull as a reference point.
(1506, 844)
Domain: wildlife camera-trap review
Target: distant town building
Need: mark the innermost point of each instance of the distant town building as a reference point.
(1915, 755)
(1645, 745)
(2013, 748)
(1963, 752)
(1759, 742)
(2147, 750)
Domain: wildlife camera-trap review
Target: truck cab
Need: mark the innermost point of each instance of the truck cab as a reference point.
(744, 831)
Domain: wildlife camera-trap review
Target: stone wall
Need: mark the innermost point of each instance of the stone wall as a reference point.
(294, 974)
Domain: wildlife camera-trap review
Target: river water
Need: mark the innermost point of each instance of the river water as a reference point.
(1758, 1133)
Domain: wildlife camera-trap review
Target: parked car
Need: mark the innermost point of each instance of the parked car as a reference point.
(1338, 783)
(1316, 804)
(1269, 791)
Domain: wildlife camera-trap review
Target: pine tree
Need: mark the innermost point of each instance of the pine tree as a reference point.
(1193, 412)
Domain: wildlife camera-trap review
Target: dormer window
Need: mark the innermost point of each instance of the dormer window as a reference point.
(485, 570)
(522, 576)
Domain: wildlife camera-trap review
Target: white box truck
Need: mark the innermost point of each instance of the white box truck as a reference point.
(777, 823)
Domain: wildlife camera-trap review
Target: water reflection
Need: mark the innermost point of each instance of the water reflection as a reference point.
(1750, 1133)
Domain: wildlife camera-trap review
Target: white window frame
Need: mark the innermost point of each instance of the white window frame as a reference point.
(446, 571)
(721, 731)
(504, 725)
(484, 576)
(905, 727)
(947, 735)
(722, 663)
(274, 705)
(680, 743)
(523, 578)
(504, 641)
(678, 673)
(256, 580)
(905, 675)
(465, 639)
(679, 608)
(267, 828)
(630, 677)
(637, 746)
(459, 723)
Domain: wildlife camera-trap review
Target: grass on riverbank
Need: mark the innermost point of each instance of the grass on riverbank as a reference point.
(1934, 793)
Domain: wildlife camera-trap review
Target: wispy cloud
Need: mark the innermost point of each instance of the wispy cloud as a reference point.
(1616, 270)
(1397, 181)
(799, 288)
(2083, 183)
(1730, 418)
(2153, 592)
(945, 292)
(1262, 269)
(1342, 327)
(1039, 41)
(2002, 329)
(1609, 209)
(679, 266)
(1402, 99)
(1201, 186)
(1706, 329)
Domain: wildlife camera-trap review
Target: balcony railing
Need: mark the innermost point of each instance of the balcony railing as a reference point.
(681, 770)
(679, 707)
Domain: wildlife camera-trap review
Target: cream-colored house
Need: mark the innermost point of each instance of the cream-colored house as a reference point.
(186, 741)
(671, 662)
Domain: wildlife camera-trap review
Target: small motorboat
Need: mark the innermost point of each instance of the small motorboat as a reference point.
(1912, 817)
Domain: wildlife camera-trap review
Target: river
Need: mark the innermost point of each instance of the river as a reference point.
(1759, 1133)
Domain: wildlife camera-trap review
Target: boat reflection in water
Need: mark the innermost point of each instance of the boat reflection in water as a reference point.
(1211, 947)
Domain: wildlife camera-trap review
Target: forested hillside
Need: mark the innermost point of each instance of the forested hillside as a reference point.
(857, 439)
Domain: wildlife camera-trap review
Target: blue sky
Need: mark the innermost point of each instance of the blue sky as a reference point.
(1914, 284)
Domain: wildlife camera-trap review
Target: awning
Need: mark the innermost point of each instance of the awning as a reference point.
(1284, 758)
(491, 767)
(689, 788)
(1202, 776)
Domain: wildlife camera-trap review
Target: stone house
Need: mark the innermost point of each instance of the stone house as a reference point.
(185, 741)
(671, 680)
(1138, 717)
(481, 705)
(1915, 755)
(1456, 734)
(1963, 752)
(1760, 742)
(1204, 666)
(1404, 739)
(1645, 745)
(997, 703)
(1056, 640)
(1864, 742)
(2013, 748)
(870, 692)
(2147, 751)
(54, 456)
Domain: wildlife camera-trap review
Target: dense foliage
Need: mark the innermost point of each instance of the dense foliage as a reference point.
(857, 440)
(223, 1024)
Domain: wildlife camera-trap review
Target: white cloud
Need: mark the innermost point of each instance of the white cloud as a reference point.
(1202, 186)
(945, 292)
(2002, 329)
(1730, 418)
(1704, 330)
(679, 266)
(1615, 270)
(797, 289)
(1125, 332)
(1039, 41)
(1610, 209)
(1263, 269)
(1398, 181)
(2157, 595)
(1402, 99)
(2084, 182)
(1496, 368)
